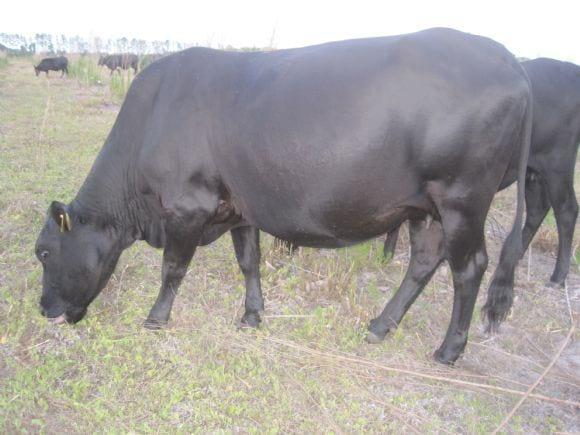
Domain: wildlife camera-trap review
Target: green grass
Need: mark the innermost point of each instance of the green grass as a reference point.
(148, 59)
(85, 70)
(108, 374)
(119, 85)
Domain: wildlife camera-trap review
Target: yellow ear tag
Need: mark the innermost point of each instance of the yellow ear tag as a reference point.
(68, 223)
(65, 223)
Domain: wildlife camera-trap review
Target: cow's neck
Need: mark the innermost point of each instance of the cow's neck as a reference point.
(109, 191)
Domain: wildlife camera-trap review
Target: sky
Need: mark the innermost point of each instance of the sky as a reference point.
(527, 28)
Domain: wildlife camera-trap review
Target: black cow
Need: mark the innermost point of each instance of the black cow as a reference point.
(52, 64)
(117, 62)
(550, 172)
(324, 146)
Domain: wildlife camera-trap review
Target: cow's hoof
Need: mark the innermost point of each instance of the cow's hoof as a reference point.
(250, 320)
(373, 338)
(555, 284)
(445, 357)
(377, 331)
(154, 324)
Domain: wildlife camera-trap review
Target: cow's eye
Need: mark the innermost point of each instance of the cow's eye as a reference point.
(43, 255)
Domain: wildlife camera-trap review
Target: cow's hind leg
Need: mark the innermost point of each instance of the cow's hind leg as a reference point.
(391, 244)
(427, 253)
(537, 206)
(247, 246)
(563, 199)
(467, 257)
(182, 234)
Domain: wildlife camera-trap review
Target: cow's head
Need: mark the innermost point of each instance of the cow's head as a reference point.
(102, 59)
(78, 254)
(36, 70)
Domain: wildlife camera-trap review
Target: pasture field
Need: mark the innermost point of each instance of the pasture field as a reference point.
(306, 370)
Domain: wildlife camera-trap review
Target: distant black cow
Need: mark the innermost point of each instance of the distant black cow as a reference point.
(550, 172)
(52, 64)
(324, 146)
(117, 62)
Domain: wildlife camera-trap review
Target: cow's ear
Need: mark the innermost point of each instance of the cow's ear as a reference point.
(59, 213)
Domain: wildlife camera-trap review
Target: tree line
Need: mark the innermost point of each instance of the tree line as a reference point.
(61, 44)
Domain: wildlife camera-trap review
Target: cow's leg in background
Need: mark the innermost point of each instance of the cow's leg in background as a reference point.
(463, 226)
(563, 199)
(391, 244)
(182, 235)
(427, 253)
(247, 246)
(537, 206)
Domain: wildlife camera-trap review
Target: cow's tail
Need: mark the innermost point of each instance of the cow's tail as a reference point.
(500, 293)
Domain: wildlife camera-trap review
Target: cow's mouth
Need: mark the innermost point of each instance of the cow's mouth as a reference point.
(60, 312)
(70, 316)
(58, 320)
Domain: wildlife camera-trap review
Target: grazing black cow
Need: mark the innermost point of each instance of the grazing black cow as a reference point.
(117, 62)
(324, 146)
(550, 172)
(52, 64)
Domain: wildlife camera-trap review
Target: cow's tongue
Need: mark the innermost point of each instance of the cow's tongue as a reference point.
(58, 320)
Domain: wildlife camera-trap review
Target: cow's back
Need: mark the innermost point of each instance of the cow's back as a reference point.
(556, 92)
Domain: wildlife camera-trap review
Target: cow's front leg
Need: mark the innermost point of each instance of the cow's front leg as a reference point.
(182, 235)
(247, 246)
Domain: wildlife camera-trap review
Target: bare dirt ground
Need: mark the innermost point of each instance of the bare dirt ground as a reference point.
(307, 369)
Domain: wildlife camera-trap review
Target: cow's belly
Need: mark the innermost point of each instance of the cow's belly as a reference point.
(326, 213)
(345, 230)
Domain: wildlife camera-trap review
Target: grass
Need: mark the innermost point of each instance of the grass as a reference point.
(119, 85)
(147, 59)
(107, 374)
(85, 70)
(87, 73)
